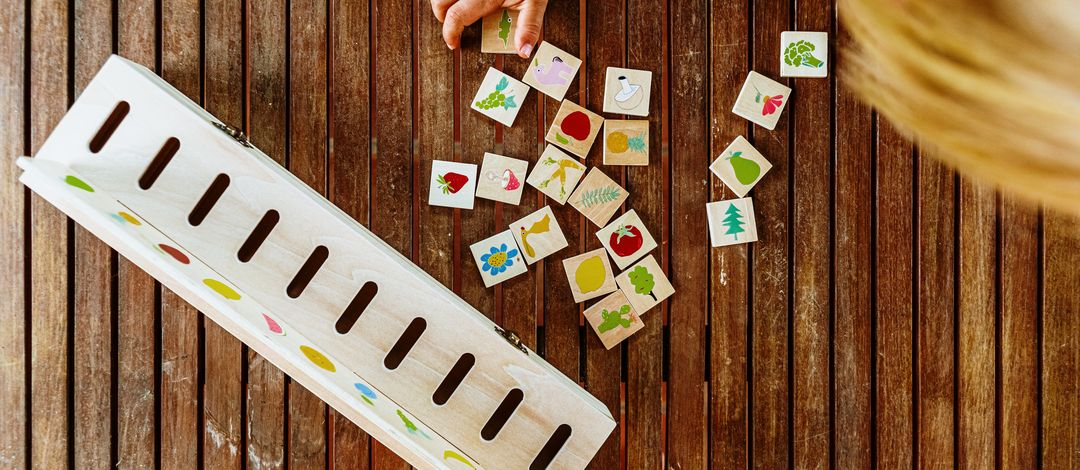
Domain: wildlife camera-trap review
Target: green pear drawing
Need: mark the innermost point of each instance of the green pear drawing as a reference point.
(746, 171)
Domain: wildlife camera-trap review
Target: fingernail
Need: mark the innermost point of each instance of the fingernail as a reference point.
(526, 50)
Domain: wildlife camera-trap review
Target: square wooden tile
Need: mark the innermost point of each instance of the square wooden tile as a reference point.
(804, 54)
(762, 100)
(452, 184)
(740, 166)
(551, 70)
(626, 239)
(731, 222)
(598, 197)
(500, 97)
(627, 91)
(645, 285)
(589, 275)
(626, 142)
(538, 235)
(498, 258)
(613, 319)
(501, 178)
(556, 174)
(574, 128)
(497, 32)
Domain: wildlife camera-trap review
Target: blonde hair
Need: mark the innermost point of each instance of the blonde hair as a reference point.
(994, 85)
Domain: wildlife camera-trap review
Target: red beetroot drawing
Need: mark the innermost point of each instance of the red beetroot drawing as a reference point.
(451, 182)
(576, 125)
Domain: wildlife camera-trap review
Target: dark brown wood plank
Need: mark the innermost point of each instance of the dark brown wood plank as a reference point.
(809, 107)
(93, 273)
(308, 130)
(977, 388)
(687, 434)
(435, 141)
(1019, 340)
(477, 135)
(769, 384)
(223, 76)
(350, 159)
(936, 311)
(647, 20)
(14, 359)
(894, 299)
(605, 32)
(1060, 341)
(853, 274)
(50, 322)
(393, 168)
(181, 66)
(137, 317)
(729, 277)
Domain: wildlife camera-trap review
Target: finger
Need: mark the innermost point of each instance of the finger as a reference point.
(530, 21)
(439, 7)
(462, 14)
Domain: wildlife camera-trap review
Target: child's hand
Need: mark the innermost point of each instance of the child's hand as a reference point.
(456, 14)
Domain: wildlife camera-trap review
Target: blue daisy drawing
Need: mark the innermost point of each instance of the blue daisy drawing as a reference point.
(497, 259)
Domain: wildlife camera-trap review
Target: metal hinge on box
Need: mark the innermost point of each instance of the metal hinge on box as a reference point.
(236, 134)
(511, 338)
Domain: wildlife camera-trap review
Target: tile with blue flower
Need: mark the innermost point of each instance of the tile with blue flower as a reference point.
(498, 258)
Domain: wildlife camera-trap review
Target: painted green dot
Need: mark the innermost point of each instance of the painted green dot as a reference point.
(222, 289)
(78, 183)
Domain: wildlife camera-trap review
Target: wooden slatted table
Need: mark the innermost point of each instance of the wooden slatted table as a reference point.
(892, 313)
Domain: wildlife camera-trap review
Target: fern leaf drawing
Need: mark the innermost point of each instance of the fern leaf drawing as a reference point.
(595, 197)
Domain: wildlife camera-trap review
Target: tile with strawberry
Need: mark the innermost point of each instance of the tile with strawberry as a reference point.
(762, 100)
(498, 258)
(452, 184)
(501, 178)
(613, 319)
(626, 239)
(574, 128)
(598, 197)
(556, 174)
(500, 97)
(740, 166)
(538, 234)
(645, 285)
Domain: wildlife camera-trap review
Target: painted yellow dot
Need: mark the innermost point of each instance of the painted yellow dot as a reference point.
(318, 358)
(129, 218)
(222, 289)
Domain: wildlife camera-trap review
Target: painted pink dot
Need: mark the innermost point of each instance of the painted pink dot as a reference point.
(273, 325)
(176, 254)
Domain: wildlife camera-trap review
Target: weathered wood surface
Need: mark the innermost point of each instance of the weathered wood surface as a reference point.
(892, 313)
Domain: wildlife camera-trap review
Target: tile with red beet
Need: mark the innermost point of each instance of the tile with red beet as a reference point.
(574, 128)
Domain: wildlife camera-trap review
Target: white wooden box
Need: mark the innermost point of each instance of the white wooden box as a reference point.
(316, 293)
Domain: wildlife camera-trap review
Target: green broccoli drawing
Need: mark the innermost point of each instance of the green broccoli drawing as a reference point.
(614, 318)
(504, 27)
(642, 281)
(800, 53)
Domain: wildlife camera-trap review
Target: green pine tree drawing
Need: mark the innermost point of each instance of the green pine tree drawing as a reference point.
(734, 221)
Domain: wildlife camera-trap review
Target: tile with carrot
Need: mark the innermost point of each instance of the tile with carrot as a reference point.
(556, 174)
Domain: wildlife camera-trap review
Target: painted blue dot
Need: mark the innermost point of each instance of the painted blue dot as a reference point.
(367, 392)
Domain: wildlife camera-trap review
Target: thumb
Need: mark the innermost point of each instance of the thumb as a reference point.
(530, 20)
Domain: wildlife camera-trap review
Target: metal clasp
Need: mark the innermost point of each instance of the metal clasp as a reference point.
(511, 338)
(236, 134)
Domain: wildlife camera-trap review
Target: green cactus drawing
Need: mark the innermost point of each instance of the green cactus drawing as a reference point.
(614, 318)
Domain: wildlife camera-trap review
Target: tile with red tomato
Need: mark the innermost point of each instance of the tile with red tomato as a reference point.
(501, 178)
(452, 184)
(645, 285)
(626, 239)
(762, 100)
(574, 128)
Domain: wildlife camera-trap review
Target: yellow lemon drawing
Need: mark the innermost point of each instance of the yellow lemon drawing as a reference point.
(618, 142)
(318, 359)
(590, 274)
(221, 288)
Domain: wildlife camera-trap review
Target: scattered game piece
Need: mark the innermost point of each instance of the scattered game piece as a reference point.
(574, 128)
(627, 91)
(645, 285)
(762, 100)
(551, 71)
(731, 222)
(804, 54)
(498, 258)
(453, 184)
(589, 275)
(497, 36)
(598, 197)
(740, 166)
(538, 234)
(626, 239)
(556, 174)
(500, 97)
(501, 178)
(613, 319)
(626, 142)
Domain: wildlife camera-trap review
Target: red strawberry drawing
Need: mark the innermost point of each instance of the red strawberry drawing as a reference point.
(452, 182)
(625, 240)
